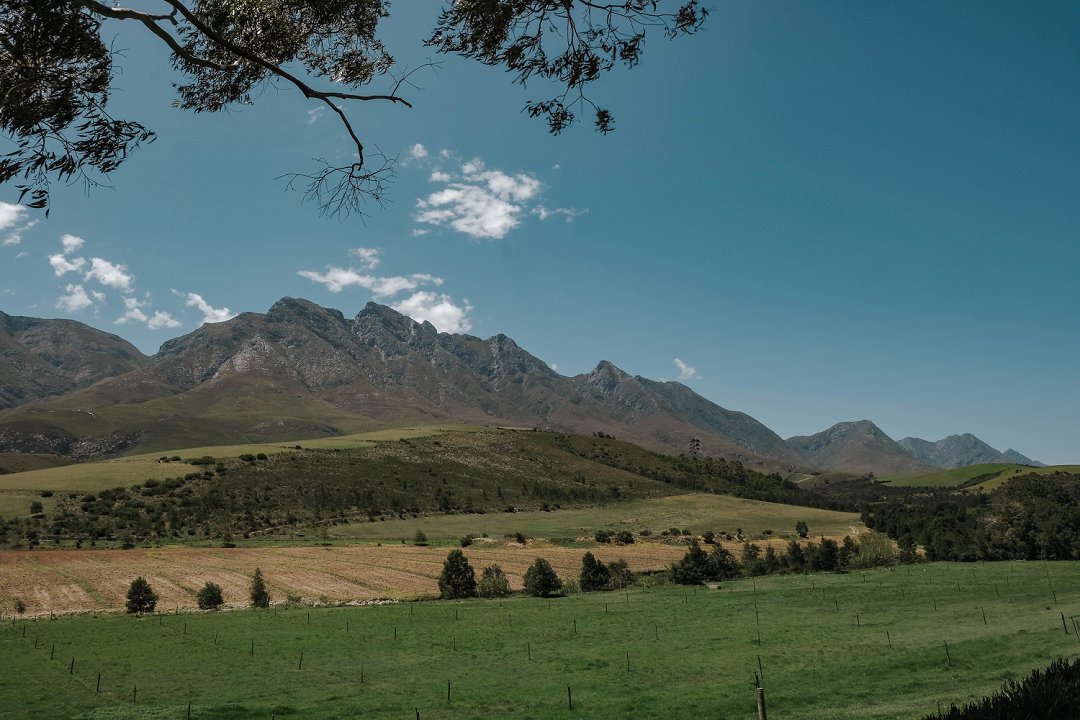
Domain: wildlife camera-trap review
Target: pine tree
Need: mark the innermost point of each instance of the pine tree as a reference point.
(260, 598)
(458, 579)
(594, 574)
(140, 597)
(541, 580)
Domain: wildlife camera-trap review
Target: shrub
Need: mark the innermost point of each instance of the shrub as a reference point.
(594, 574)
(709, 537)
(541, 580)
(140, 597)
(692, 568)
(20, 606)
(619, 574)
(457, 579)
(210, 597)
(493, 583)
(520, 538)
(260, 597)
(624, 537)
(466, 540)
(602, 536)
(419, 538)
(36, 508)
(875, 549)
(801, 529)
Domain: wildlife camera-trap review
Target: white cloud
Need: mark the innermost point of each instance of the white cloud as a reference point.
(15, 236)
(132, 311)
(22, 255)
(162, 320)
(570, 213)
(61, 265)
(418, 151)
(76, 299)
(420, 232)
(437, 308)
(314, 114)
(337, 279)
(109, 274)
(10, 215)
(686, 372)
(71, 243)
(481, 203)
(368, 256)
(210, 314)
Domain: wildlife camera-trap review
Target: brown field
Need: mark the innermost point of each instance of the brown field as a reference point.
(67, 581)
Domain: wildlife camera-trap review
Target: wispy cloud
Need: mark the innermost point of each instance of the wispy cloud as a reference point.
(314, 114)
(477, 201)
(569, 213)
(686, 372)
(210, 313)
(369, 257)
(336, 279)
(15, 236)
(439, 309)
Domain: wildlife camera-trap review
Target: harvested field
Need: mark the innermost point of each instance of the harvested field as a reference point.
(70, 581)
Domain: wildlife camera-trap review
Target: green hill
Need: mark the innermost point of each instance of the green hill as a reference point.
(985, 476)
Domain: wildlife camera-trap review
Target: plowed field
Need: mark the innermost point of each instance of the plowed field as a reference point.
(65, 581)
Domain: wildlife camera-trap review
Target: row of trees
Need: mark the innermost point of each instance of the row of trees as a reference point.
(698, 566)
(141, 598)
(458, 579)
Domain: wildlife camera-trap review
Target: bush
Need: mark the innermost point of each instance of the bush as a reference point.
(36, 508)
(457, 579)
(594, 574)
(260, 597)
(20, 606)
(466, 540)
(493, 583)
(875, 550)
(709, 537)
(620, 575)
(419, 538)
(801, 529)
(520, 538)
(602, 536)
(140, 597)
(692, 568)
(624, 537)
(541, 580)
(210, 597)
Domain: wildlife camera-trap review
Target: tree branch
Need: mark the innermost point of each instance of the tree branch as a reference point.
(151, 24)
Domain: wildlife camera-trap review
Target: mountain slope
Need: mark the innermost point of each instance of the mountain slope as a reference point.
(959, 451)
(857, 447)
(45, 358)
(303, 370)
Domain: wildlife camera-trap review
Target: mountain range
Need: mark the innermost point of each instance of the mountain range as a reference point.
(302, 370)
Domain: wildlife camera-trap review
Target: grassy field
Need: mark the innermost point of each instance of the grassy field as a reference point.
(695, 512)
(103, 474)
(866, 645)
(986, 476)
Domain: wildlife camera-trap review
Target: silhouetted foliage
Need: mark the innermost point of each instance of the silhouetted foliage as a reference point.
(1050, 694)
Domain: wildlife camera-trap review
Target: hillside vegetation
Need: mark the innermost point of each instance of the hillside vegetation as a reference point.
(263, 494)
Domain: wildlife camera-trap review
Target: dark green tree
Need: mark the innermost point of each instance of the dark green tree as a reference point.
(541, 579)
(57, 69)
(493, 583)
(801, 529)
(620, 573)
(140, 597)
(692, 568)
(260, 597)
(210, 597)
(457, 579)
(594, 574)
(722, 564)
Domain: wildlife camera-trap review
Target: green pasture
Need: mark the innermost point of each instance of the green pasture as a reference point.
(890, 643)
(987, 475)
(696, 512)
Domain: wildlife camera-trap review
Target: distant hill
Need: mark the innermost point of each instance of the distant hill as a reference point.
(46, 358)
(301, 370)
(960, 451)
(857, 447)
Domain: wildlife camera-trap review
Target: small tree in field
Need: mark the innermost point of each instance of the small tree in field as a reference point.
(541, 579)
(494, 583)
(594, 574)
(458, 579)
(140, 597)
(801, 529)
(260, 598)
(210, 597)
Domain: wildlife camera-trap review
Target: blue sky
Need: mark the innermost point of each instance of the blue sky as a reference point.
(810, 212)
